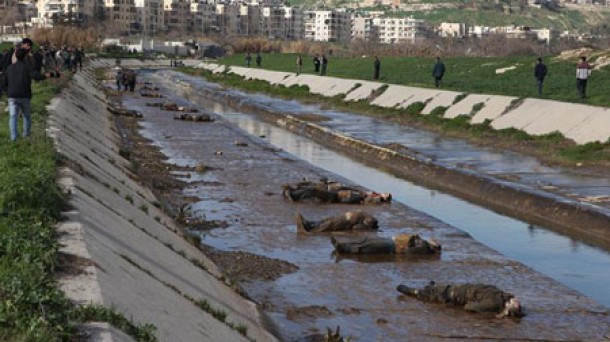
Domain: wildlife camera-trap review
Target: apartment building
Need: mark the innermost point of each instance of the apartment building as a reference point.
(204, 18)
(322, 26)
(177, 15)
(453, 30)
(363, 29)
(60, 11)
(281, 22)
(122, 15)
(150, 17)
(396, 30)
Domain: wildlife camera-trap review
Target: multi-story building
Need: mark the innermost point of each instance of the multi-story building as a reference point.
(177, 16)
(62, 11)
(150, 16)
(323, 26)
(204, 16)
(281, 22)
(363, 29)
(122, 15)
(395, 30)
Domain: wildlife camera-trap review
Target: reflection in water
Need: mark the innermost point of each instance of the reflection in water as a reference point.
(570, 262)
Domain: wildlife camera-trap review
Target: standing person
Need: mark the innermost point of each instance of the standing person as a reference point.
(259, 59)
(18, 85)
(248, 59)
(438, 71)
(316, 63)
(299, 64)
(583, 71)
(377, 66)
(540, 72)
(324, 62)
(78, 59)
(130, 79)
(120, 78)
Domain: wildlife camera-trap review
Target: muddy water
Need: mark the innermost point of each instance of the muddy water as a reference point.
(359, 295)
(571, 262)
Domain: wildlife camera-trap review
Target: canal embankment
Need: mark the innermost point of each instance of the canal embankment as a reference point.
(132, 257)
(582, 220)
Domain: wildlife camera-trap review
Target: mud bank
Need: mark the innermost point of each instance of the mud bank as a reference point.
(582, 221)
(137, 261)
(357, 294)
(579, 122)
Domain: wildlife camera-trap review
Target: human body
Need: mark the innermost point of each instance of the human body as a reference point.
(473, 297)
(299, 64)
(400, 244)
(324, 62)
(350, 221)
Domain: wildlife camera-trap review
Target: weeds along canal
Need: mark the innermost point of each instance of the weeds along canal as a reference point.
(566, 260)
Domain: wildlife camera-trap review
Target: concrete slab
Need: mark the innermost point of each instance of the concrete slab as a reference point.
(422, 95)
(596, 127)
(364, 91)
(392, 97)
(442, 98)
(464, 107)
(494, 107)
(136, 260)
(104, 332)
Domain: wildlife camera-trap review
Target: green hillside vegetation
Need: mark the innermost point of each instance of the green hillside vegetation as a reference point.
(464, 74)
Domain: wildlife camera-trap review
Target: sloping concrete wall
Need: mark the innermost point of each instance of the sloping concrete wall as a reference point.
(581, 123)
(138, 264)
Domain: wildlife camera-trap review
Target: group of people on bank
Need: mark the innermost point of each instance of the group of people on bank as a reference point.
(21, 64)
(472, 297)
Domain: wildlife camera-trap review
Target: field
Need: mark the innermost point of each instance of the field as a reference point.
(470, 75)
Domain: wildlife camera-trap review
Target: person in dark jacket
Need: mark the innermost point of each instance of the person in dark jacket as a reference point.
(540, 72)
(324, 62)
(18, 85)
(316, 63)
(377, 66)
(473, 297)
(352, 220)
(259, 59)
(438, 72)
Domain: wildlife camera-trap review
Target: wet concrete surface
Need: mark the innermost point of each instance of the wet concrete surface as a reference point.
(359, 295)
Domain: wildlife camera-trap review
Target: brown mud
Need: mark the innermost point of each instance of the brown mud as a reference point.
(154, 171)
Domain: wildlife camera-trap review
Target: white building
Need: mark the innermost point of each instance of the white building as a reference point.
(281, 22)
(395, 30)
(324, 26)
(150, 16)
(57, 11)
(455, 30)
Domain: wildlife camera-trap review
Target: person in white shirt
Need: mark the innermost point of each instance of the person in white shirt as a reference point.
(583, 71)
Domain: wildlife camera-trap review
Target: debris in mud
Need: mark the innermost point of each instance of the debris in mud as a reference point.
(240, 143)
(201, 168)
(305, 312)
(193, 117)
(313, 117)
(218, 153)
(243, 266)
(150, 94)
(381, 321)
(118, 109)
(149, 88)
(329, 337)
(349, 311)
(595, 199)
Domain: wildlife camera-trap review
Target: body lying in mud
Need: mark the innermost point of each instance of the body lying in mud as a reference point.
(407, 244)
(332, 192)
(472, 297)
(349, 221)
(172, 107)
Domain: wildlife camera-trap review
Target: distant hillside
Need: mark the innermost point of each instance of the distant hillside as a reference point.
(486, 13)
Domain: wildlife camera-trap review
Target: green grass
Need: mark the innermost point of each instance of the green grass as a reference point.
(32, 308)
(464, 74)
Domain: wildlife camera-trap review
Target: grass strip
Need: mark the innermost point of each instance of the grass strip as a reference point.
(464, 74)
(552, 148)
(32, 308)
